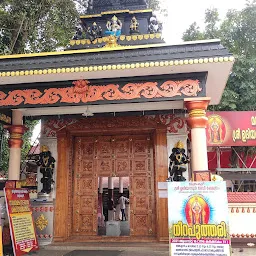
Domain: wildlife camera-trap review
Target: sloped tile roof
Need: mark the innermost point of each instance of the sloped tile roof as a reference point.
(242, 197)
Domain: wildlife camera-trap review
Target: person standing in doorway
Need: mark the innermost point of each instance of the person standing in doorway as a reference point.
(122, 200)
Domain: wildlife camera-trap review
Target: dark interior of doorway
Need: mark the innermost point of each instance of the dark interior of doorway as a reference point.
(109, 220)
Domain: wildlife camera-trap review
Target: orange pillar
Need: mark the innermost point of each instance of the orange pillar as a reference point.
(197, 122)
(16, 130)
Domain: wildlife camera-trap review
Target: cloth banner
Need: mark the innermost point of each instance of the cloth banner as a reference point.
(198, 219)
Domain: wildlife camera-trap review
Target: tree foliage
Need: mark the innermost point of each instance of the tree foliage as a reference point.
(159, 6)
(33, 26)
(238, 33)
(36, 25)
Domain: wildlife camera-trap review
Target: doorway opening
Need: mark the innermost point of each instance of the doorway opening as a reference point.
(113, 206)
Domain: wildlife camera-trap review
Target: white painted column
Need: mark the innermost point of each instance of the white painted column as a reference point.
(111, 214)
(121, 185)
(100, 185)
(110, 183)
(197, 121)
(15, 143)
(199, 158)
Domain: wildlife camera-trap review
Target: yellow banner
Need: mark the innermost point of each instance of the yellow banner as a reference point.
(23, 227)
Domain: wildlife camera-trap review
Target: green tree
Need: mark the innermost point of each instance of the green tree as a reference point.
(33, 26)
(36, 25)
(4, 150)
(238, 33)
(158, 6)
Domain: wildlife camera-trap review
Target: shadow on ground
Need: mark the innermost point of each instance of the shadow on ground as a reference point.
(93, 253)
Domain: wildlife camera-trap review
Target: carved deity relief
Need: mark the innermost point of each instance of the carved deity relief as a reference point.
(134, 26)
(47, 164)
(178, 161)
(114, 27)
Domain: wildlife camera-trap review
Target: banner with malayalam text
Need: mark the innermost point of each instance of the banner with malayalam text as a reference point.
(21, 221)
(198, 219)
(231, 128)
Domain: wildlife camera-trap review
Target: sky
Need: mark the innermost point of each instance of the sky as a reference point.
(182, 13)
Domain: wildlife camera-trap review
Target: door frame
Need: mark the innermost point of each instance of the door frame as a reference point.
(65, 169)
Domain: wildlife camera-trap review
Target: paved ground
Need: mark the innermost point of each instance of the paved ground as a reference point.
(150, 250)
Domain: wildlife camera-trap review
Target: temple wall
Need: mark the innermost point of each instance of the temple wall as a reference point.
(242, 218)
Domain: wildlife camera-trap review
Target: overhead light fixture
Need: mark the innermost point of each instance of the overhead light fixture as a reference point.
(87, 112)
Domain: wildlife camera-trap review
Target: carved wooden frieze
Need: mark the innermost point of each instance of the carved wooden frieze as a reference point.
(173, 123)
(83, 91)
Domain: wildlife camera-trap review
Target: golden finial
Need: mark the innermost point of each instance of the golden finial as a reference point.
(111, 42)
(114, 18)
(179, 144)
(44, 148)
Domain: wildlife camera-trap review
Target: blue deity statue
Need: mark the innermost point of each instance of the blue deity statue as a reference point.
(114, 27)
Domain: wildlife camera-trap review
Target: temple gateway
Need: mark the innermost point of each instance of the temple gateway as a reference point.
(114, 106)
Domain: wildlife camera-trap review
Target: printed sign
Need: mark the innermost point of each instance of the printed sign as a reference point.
(21, 222)
(198, 220)
(231, 128)
(1, 241)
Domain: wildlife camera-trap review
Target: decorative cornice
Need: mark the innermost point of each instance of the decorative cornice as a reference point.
(109, 123)
(173, 123)
(243, 235)
(242, 209)
(115, 66)
(114, 12)
(82, 92)
(121, 38)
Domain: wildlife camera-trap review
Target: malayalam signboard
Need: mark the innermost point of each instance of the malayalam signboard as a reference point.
(21, 222)
(198, 219)
(231, 128)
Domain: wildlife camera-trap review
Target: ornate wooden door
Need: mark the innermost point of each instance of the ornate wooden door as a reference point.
(85, 192)
(142, 187)
(121, 156)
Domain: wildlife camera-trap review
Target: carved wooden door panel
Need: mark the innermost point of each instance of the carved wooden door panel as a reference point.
(104, 155)
(121, 156)
(142, 206)
(85, 193)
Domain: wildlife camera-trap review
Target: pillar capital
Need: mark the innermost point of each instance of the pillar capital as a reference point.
(16, 133)
(197, 111)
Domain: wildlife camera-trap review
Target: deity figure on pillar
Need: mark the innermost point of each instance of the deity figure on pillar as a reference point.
(94, 32)
(46, 163)
(114, 27)
(79, 33)
(178, 161)
(134, 26)
(154, 25)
